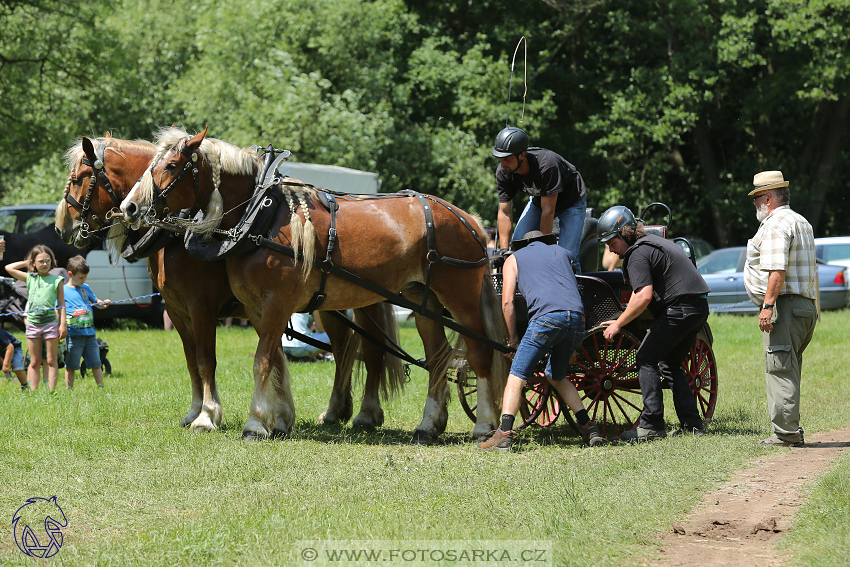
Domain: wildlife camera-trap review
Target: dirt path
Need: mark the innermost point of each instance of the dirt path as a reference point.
(740, 524)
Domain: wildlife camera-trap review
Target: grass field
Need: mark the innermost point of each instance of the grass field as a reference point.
(139, 490)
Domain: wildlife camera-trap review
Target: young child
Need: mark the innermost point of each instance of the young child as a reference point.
(46, 317)
(13, 357)
(82, 342)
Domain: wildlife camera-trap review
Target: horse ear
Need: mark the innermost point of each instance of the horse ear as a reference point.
(88, 149)
(108, 134)
(195, 142)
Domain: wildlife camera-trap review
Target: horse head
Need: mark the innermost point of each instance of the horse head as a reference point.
(167, 186)
(102, 171)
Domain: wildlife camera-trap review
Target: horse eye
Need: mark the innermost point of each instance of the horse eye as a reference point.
(77, 182)
(170, 166)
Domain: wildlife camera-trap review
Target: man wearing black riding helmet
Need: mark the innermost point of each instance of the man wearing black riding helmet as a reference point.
(555, 187)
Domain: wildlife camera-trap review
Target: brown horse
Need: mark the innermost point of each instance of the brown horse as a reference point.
(385, 241)
(103, 175)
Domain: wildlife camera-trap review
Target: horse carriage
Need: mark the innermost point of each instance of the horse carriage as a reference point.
(252, 231)
(604, 372)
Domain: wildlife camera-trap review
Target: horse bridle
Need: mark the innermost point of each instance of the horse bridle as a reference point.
(98, 170)
(161, 194)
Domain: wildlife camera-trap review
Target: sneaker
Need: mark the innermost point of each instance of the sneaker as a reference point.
(695, 431)
(499, 440)
(590, 434)
(641, 434)
(774, 440)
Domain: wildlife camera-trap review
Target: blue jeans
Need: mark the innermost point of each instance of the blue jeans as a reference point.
(559, 333)
(303, 350)
(571, 223)
(85, 347)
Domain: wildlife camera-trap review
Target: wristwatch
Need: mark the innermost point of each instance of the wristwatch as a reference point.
(766, 306)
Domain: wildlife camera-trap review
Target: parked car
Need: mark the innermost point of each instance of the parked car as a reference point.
(27, 225)
(723, 271)
(833, 250)
(701, 247)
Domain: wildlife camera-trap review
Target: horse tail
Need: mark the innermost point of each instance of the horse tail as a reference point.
(497, 330)
(346, 357)
(392, 378)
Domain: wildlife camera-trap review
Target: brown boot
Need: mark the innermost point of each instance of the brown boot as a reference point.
(590, 434)
(498, 440)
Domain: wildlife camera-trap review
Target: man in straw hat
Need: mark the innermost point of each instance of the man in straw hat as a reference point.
(781, 277)
(543, 273)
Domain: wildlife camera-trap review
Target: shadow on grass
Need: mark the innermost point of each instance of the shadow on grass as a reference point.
(735, 422)
(307, 430)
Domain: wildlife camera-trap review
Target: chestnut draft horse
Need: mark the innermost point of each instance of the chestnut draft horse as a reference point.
(416, 245)
(99, 179)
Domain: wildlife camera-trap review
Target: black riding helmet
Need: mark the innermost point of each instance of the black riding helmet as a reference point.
(612, 222)
(510, 142)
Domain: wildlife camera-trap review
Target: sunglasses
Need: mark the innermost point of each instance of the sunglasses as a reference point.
(757, 197)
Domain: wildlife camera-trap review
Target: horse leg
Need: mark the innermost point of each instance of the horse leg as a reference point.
(188, 339)
(272, 410)
(340, 406)
(479, 310)
(204, 321)
(435, 415)
(384, 372)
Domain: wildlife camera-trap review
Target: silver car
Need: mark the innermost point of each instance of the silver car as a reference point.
(723, 271)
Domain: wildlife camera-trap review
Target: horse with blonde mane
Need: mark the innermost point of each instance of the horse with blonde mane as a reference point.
(414, 245)
(102, 172)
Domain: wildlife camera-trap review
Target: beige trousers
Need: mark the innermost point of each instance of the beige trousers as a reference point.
(794, 322)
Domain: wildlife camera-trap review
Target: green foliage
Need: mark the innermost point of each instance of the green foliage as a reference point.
(680, 102)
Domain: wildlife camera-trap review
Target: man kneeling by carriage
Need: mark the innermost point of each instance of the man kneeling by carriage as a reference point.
(544, 275)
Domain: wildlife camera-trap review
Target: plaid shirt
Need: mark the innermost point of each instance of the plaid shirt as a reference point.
(784, 241)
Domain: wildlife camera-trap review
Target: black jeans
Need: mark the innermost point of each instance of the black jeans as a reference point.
(662, 351)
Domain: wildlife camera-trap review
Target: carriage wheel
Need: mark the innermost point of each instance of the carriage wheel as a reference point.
(540, 404)
(606, 377)
(467, 391)
(701, 370)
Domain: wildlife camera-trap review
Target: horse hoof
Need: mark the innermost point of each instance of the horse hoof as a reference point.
(326, 419)
(480, 435)
(253, 436)
(421, 437)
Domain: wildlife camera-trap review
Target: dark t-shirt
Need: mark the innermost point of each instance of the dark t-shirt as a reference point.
(655, 261)
(548, 174)
(546, 280)
(6, 339)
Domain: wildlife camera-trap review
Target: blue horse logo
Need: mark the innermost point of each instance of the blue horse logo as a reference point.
(41, 513)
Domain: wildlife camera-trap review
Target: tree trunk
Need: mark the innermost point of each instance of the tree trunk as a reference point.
(711, 177)
(828, 155)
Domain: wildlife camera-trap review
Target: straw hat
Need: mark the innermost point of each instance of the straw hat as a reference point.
(534, 236)
(768, 180)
